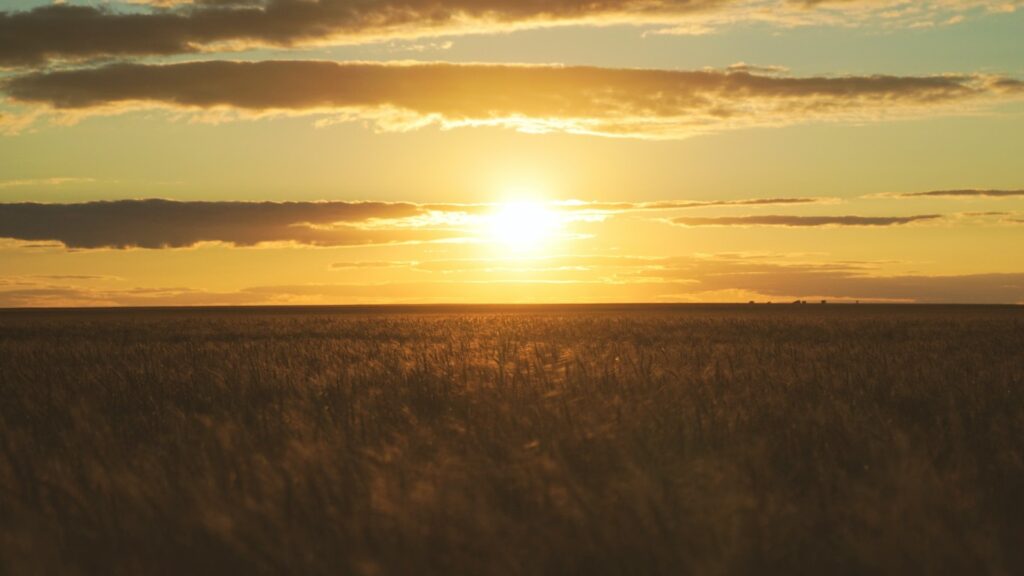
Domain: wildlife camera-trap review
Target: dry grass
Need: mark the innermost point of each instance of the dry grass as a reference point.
(734, 440)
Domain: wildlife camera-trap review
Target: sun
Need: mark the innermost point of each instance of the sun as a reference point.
(522, 225)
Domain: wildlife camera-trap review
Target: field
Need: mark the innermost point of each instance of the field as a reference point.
(568, 440)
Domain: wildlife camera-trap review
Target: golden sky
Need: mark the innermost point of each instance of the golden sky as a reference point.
(377, 151)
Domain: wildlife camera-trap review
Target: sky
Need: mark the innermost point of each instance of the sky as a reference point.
(249, 152)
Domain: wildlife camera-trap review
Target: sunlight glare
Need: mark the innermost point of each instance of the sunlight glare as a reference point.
(522, 225)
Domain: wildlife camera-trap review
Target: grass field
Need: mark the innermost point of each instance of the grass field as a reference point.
(636, 440)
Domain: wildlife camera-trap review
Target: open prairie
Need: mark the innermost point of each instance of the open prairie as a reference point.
(814, 439)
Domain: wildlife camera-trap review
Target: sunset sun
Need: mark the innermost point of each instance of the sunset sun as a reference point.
(522, 225)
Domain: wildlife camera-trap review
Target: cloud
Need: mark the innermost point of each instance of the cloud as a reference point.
(971, 288)
(597, 262)
(33, 182)
(966, 193)
(780, 278)
(158, 223)
(618, 268)
(776, 277)
(613, 278)
(668, 205)
(365, 264)
(880, 14)
(754, 69)
(170, 224)
(64, 31)
(73, 277)
(389, 293)
(575, 99)
(75, 32)
(804, 221)
(47, 296)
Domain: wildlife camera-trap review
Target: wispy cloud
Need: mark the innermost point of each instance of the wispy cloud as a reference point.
(969, 288)
(39, 182)
(584, 100)
(42, 295)
(803, 221)
(365, 264)
(965, 193)
(669, 205)
(683, 278)
(880, 14)
(785, 280)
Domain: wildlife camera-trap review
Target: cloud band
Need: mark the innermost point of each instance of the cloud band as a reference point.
(589, 100)
(61, 31)
(169, 224)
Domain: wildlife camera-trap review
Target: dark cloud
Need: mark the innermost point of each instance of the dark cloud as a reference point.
(76, 32)
(624, 102)
(66, 31)
(966, 193)
(170, 224)
(803, 221)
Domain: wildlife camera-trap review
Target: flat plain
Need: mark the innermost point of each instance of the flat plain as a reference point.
(838, 439)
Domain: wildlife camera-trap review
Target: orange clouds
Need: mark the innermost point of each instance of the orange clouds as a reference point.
(611, 279)
(584, 100)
